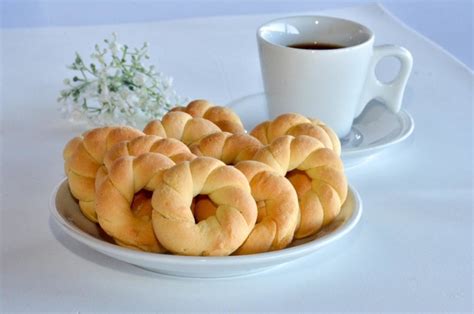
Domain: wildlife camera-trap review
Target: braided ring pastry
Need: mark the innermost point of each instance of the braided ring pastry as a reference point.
(278, 209)
(295, 124)
(84, 155)
(278, 204)
(171, 148)
(181, 126)
(317, 174)
(227, 147)
(223, 117)
(115, 195)
(219, 234)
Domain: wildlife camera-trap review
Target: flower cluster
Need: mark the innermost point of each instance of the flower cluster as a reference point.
(116, 88)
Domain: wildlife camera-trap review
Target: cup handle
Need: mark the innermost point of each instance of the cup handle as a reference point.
(391, 93)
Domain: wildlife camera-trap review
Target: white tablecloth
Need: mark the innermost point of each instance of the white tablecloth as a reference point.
(411, 251)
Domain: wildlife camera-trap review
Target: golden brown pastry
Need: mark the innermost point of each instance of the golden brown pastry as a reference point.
(295, 124)
(278, 209)
(223, 117)
(84, 155)
(202, 208)
(141, 203)
(277, 204)
(127, 176)
(220, 234)
(316, 172)
(230, 148)
(181, 126)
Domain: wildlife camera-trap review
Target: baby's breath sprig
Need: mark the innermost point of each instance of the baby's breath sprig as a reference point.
(117, 88)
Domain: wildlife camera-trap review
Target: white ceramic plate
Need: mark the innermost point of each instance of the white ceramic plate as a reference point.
(66, 213)
(375, 129)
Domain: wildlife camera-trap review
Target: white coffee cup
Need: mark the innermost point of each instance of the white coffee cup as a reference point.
(333, 85)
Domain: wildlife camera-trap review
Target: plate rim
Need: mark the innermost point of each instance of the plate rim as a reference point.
(402, 115)
(297, 251)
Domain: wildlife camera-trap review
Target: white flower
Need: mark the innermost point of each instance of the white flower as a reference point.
(119, 103)
(167, 82)
(115, 47)
(107, 92)
(124, 93)
(76, 115)
(139, 79)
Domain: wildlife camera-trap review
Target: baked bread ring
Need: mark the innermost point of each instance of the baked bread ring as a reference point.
(278, 209)
(317, 173)
(223, 117)
(171, 148)
(126, 177)
(220, 234)
(84, 155)
(227, 147)
(296, 124)
(181, 126)
(278, 203)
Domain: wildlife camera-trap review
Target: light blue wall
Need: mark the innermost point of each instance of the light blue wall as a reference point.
(449, 23)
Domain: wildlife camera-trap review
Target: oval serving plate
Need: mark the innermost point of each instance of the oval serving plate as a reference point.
(66, 213)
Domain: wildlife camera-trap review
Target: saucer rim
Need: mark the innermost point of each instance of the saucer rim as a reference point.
(408, 126)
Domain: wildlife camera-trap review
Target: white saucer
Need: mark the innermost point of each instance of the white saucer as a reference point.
(65, 211)
(374, 130)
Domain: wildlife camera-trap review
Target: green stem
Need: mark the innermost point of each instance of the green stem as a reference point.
(83, 74)
(124, 53)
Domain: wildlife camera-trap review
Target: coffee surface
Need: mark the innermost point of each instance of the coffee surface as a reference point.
(316, 46)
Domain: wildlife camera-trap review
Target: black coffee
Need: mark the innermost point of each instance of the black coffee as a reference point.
(316, 46)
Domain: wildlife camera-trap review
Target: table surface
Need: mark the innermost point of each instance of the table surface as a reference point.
(412, 250)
